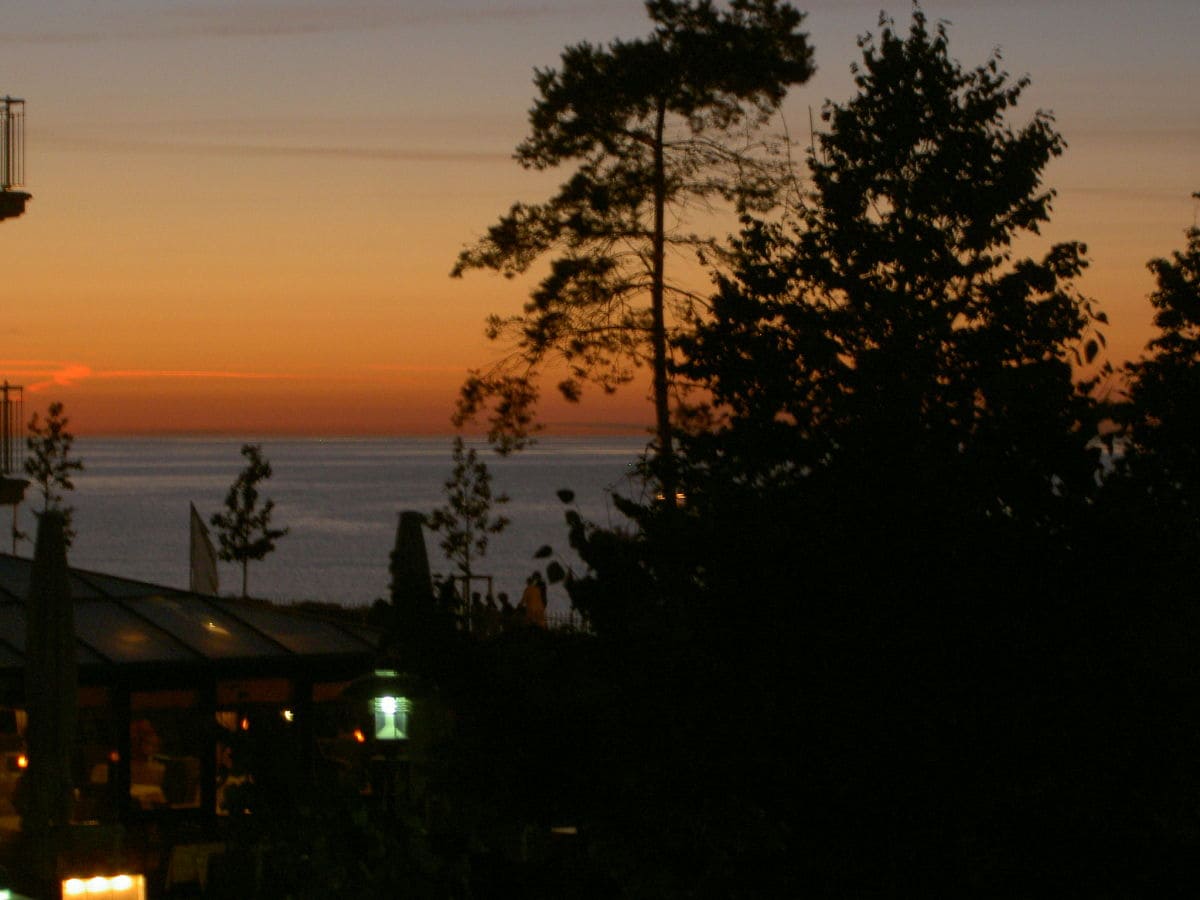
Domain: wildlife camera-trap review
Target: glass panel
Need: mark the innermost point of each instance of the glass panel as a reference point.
(123, 637)
(10, 659)
(111, 586)
(254, 690)
(299, 634)
(257, 740)
(86, 657)
(95, 759)
(365, 633)
(14, 576)
(166, 740)
(82, 590)
(12, 766)
(204, 627)
(342, 756)
(12, 625)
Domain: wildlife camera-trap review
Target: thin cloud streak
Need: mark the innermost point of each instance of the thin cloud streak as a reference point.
(67, 374)
(377, 154)
(284, 20)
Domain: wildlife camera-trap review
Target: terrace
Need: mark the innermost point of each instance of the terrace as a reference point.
(169, 683)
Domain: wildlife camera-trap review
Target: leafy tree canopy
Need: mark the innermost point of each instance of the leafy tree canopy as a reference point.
(649, 125)
(887, 326)
(1164, 396)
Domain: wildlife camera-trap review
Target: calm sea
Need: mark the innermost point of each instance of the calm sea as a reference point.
(341, 500)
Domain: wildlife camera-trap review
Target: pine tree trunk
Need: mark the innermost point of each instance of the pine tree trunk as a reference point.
(658, 333)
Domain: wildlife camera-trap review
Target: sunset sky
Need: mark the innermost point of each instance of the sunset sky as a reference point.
(245, 212)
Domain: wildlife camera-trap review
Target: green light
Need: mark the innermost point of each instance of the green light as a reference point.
(391, 718)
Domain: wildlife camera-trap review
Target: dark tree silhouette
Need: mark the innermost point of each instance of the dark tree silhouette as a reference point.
(653, 126)
(877, 567)
(1163, 413)
(890, 310)
(244, 528)
(49, 464)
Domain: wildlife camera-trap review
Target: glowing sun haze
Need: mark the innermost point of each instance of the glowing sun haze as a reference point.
(244, 213)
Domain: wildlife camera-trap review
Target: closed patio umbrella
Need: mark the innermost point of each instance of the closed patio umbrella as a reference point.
(51, 682)
(412, 586)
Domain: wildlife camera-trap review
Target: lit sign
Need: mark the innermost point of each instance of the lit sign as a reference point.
(391, 718)
(116, 887)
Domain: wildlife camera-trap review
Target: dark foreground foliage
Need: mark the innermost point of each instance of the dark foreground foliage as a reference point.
(909, 632)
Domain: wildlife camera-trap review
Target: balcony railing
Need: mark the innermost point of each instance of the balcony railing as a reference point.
(12, 431)
(12, 143)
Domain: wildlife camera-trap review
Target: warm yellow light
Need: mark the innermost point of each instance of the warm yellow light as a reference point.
(288, 715)
(245, 724)
(680, 497)
(359, 736)
(115, 887)
(22, 761)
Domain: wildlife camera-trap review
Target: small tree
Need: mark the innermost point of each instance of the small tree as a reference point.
(244, 530)
(49, 464)
(655, 128)
(466, 521)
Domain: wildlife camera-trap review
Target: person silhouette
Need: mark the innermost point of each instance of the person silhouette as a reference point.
(534, 601)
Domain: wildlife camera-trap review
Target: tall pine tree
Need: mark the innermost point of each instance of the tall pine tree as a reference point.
(652, 127)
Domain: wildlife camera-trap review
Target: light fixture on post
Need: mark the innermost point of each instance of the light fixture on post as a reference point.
(388, 697)
(386, 704)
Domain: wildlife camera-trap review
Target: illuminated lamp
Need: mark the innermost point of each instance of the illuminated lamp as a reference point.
(391, 717)
(387, 698)
(105, 887)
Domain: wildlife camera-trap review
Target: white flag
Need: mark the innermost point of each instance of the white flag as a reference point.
(204, 558)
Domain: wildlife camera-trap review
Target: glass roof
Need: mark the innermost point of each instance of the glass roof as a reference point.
(125, 638)
(111, 586)
(120, 621)
(14, 576)
(297, 633)
(204, 627)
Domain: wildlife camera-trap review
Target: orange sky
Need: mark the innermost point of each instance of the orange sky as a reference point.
(244, 214)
